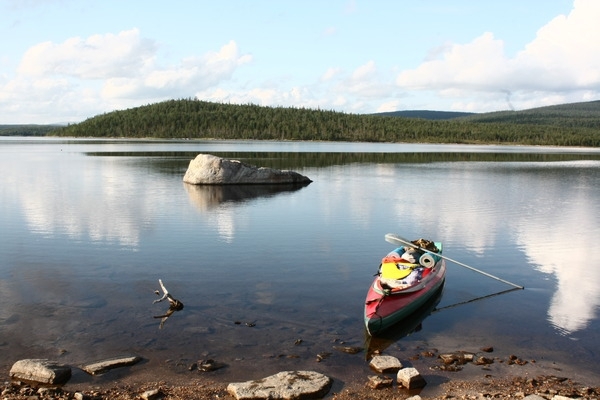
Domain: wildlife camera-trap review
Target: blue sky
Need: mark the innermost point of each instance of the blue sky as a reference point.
(68, 60)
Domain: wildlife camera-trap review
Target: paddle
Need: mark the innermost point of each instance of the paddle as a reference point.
(395, 239)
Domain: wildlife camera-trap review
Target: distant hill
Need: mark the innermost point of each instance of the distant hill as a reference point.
(26, 130)
(583, 114)
(426, 114)
(572, 115)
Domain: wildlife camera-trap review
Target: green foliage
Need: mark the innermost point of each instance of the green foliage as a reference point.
(26, 130)
(195, 119)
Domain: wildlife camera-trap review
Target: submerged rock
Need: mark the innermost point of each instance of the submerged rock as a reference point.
(40, 371)
(457, 358)
(207, 169)
(210, 365)
(349, 349)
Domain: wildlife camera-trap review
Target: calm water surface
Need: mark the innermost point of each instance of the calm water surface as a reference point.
(88, 227)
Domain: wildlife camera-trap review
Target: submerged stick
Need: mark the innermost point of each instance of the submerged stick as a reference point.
(174, 304)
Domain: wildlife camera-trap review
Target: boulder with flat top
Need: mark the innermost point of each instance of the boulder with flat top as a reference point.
(207, 169)
(287, 385)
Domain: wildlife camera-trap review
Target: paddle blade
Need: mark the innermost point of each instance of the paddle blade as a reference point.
(395, 239)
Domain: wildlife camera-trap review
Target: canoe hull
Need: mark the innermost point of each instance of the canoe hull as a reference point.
(384, 309)
(377, 344)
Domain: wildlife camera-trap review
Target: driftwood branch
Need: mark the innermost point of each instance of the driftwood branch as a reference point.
(174, 304)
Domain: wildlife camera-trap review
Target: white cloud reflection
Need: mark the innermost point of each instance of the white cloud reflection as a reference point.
(548, 218)
(94, 203)
(539, 210)
(563, 246)
(548, 214)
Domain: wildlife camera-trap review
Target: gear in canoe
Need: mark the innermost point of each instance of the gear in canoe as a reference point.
(407, 277)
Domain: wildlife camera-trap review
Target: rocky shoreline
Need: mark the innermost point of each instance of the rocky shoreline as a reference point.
(538, 388)
(456, 375)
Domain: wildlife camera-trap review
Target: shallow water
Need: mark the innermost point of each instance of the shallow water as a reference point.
(89, 226)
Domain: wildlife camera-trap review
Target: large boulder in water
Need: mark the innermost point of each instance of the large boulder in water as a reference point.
(207, 169)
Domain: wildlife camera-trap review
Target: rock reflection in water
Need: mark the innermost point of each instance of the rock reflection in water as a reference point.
(206, 197)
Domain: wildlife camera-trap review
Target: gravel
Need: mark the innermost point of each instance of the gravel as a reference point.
(485, 388)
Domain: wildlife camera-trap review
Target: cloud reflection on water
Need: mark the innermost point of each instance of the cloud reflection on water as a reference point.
(550, 213)
(554, 227)
(559, 236)
(85, 202)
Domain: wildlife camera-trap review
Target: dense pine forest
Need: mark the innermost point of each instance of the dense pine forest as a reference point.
(26, 130)
(565, 125)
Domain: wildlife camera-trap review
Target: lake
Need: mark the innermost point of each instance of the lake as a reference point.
(272, 276)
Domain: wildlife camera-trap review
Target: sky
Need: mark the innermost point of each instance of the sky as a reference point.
(63, 61)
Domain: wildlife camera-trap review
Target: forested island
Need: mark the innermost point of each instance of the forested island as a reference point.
(576, 124)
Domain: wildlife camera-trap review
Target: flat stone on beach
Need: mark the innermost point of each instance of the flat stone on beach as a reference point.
(102, 366)
(40, 370)
(295, 385)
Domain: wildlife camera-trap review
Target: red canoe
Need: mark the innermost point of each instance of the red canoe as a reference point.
(390, 300)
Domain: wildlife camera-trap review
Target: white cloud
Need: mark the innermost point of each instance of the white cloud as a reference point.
(82, 77)
(192, 74)
(479, 65)
(335, 89)
(569, 47)
(557, 65)
(330, 74)
(97, 57)
(364, 71)
(294, 97)
(388, 106)
(366, 83)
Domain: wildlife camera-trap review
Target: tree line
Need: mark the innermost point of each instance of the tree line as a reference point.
(197, 119)
(26, 130)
